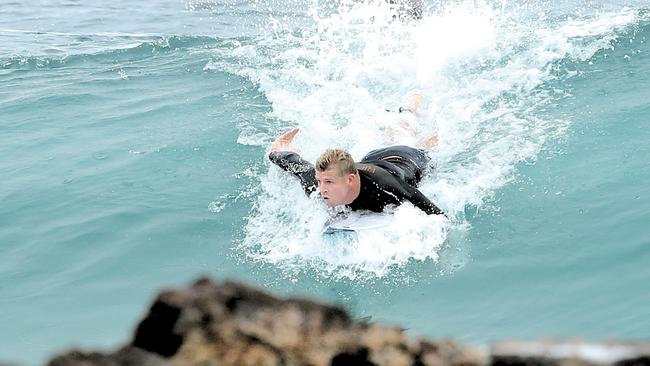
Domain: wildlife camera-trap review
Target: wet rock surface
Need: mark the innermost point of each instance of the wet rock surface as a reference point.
(553, 353)
(230, 324)
(233, 324)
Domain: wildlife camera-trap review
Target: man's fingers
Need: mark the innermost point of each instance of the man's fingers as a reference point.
(283, 141)
(291, 133)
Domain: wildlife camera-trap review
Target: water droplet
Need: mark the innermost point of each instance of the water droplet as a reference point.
(216, 206)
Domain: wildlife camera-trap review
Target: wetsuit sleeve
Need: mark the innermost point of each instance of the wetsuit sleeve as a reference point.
(387, 186)
(419, 200)
(294, 164)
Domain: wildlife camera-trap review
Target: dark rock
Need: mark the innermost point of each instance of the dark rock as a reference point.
(574, 353)
(156, 332)
(127, 356)
(235, 324)
(230, 324)
(635, 361)
(512, 360)
(359, 358)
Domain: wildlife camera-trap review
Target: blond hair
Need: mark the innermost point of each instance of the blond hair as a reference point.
(339, 158)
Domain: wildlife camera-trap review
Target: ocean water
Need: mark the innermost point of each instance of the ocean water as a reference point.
(133, 141)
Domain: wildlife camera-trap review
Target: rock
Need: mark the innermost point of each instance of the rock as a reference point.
(127, 356)
(240, 325)
(230, 324)
(551, 353)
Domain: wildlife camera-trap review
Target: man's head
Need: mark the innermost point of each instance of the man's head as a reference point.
(337, 177)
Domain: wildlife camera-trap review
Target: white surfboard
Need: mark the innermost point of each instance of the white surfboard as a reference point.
(359, 222)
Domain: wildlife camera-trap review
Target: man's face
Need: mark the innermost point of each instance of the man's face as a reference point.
(333, 187)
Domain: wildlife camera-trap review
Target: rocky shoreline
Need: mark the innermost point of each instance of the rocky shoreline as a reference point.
(231, 324)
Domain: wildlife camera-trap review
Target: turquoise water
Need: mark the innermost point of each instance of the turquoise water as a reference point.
(133, 144)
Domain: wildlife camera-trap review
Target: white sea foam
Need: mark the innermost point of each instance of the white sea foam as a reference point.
(483, 71)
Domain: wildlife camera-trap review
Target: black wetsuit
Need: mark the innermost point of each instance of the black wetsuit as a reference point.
(389, 176)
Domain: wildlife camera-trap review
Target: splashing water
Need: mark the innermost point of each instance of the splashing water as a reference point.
(487, 73)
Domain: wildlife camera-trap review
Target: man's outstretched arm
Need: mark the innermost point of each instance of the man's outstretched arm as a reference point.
(282, 156)
(403, 191)
(419, 200)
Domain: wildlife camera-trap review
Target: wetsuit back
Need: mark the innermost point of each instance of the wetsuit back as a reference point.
(388, 176)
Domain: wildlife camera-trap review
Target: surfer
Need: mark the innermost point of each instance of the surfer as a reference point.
(386, 176)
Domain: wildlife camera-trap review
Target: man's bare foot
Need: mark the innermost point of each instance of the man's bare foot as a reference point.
(413, 102)
(431, 142)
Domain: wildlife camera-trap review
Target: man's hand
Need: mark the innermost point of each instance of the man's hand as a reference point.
(283, 141)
